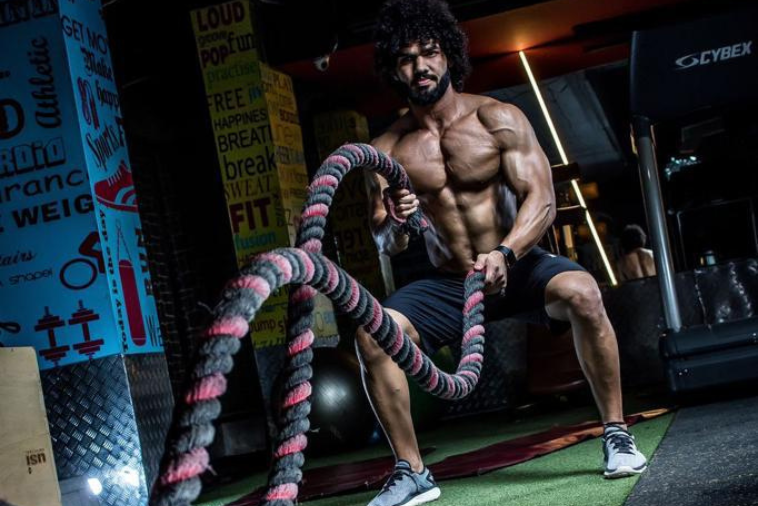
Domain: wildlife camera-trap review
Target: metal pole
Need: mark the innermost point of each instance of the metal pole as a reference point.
(651, 191)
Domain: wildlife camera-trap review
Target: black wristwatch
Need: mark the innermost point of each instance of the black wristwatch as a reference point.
(508, 254)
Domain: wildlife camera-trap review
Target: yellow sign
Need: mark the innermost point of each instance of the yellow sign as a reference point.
(246, 119)
(293, 175)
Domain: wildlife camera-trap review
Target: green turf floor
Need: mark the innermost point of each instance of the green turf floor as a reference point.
(568, 477)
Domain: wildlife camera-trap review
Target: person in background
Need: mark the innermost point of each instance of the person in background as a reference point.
(636, 261)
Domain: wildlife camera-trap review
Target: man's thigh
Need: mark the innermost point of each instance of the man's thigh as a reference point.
(526, 295)
(405, 324)
(432, 308)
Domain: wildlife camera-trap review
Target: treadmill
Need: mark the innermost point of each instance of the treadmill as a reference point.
(676, 71)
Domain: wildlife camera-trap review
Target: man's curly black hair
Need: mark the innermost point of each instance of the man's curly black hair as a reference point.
(403, 22)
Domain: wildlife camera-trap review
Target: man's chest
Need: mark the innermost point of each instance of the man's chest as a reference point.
(461, 158)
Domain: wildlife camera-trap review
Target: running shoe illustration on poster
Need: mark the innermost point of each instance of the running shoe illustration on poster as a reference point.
(117, 191)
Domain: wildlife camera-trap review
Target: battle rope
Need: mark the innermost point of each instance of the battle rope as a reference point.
(308, 271)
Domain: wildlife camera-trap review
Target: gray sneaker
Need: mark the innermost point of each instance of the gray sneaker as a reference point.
(407, 488)
(622, 458)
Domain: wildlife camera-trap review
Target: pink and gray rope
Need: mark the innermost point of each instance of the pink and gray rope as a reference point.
(308, 271)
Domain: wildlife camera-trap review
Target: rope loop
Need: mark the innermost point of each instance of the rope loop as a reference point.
(307, 272)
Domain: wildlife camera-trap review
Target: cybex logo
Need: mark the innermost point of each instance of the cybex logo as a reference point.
(715, 55)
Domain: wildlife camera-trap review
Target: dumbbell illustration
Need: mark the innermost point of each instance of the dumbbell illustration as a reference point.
(49, 322)
(83, 316)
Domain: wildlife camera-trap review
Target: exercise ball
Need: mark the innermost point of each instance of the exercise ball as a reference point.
(341, 417)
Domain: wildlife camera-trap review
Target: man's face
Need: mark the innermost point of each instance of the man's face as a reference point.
(422, 72)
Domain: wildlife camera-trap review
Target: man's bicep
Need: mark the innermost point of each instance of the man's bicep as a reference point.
(526, 169)
(523, 162)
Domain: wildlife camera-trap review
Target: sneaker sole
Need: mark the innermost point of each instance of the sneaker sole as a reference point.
(428, 496)
(624, 471)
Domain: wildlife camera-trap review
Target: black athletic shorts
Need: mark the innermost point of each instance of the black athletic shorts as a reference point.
(435, 305)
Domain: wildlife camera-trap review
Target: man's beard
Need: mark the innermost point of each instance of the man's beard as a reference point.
(425, 96)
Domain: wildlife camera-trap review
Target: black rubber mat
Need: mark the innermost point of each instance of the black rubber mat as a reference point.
(709, 457)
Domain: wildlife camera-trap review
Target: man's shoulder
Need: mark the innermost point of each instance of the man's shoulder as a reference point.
(640, 255)
(497, 115)
(646, 253)
(396, 131)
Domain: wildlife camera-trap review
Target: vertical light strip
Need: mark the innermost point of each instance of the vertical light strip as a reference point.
(549, 120)
(564, 159)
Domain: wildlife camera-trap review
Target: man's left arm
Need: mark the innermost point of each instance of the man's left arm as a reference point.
(527, 172)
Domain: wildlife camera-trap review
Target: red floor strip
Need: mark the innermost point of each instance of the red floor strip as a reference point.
(371, 474)
(516, 451)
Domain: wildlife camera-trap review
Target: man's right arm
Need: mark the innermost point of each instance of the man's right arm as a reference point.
(389, 240)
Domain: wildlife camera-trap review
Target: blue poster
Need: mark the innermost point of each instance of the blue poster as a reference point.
(107, 160)
(53, 288)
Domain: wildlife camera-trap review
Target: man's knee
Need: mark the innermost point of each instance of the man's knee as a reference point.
(585, 301)
(370, 352)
